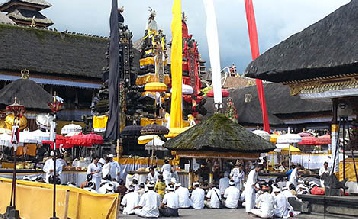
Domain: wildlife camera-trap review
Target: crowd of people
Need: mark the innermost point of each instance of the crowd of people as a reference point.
(161, 194)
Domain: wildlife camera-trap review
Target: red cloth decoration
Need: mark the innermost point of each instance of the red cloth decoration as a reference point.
(250, 16)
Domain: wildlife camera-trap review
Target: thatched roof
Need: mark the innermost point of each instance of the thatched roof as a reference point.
(5, 19)
(27, 92)
(50, 52)
(218, 133)
(26, 15)
(278, 101)
(41, 4)
(326, 48)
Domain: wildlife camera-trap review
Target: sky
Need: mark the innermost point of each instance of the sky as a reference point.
(276, 20)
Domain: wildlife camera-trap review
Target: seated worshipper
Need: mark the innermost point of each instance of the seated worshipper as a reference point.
(183, 194)
(282, 206)
(324, 170)
(49, 169)
(224, 183)
(266, 201)
(315, 189)
(141, 189)
(121, 188)
(197, 196)
(232, 195)
(213, 198)
(160, 186)
(105, 188)
(302, 189)
(149, 203)
(88, 180)
(130, 200)
(170, 204)
(152, 175)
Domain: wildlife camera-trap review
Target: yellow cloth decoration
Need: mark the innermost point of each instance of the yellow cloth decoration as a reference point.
(176, 116)
(148, 78)
(146, 61)
(100, 122)
(155, 86)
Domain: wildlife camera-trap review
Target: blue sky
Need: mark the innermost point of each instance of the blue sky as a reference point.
(276, 20)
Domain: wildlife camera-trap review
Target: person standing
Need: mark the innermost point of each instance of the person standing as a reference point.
(324, 170)
(293, 179)
(129, 201)
(250, 188)
(152, 175)
(170, 203)
(115, 168)
(237, 174)
(166, 172)
(197, 196)
(149, 203)
(49, 168)
(232, 195)
(94, 169)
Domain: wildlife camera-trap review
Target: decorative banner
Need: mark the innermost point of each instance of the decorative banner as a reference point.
(250, 16)
(112, 129)
(176, 116)
(214, 52)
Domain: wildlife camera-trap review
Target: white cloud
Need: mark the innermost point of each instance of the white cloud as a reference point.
(276, 20)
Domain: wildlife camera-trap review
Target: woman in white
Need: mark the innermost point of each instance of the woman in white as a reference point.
(250, 189)
(167, 175)
(96, 171)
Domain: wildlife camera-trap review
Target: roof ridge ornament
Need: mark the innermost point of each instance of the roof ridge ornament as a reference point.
(25, 74)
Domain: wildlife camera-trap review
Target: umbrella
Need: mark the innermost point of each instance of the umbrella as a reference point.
(308, 140)
(262, 134)
(154, 129)
(93, 138)
(131, 131)
(155, 86)
(71, 128)
(5, 140)
(305, 134)
(225, 93)
(85, 140)
(61, 142)
(287, 148)
(155, 144)
(289, 139)
(273, 138)
(144, 139)
(324, 139)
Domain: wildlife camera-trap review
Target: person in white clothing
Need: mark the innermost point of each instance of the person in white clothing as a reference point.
(250, 188)
(95, 170)
(105, 169)
(232, 195)
(266, 201)
(170, 204)
(282, 206)
(197, 196)
(213, 198)
(183, 193)
(129, 201)
(238, 175)
(224, 183)
(49, 169)
(293, 179)
(152, 175)
(166, 172)
(149, 203)
(115, 168)
(324, 170)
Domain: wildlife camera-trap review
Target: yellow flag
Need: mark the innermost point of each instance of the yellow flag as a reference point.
(176, 112)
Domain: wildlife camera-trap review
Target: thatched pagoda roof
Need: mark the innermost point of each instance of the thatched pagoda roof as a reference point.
(27, 92)
(326, 48)
(278, 100)
(22, 15)
(218, 133)
(39, 4)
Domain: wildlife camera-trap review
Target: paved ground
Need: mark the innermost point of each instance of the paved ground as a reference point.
(233, 214)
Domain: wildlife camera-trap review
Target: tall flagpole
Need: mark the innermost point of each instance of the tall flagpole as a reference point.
(254, 43)
(112, 128)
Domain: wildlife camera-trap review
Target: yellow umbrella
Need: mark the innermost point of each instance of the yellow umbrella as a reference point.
(144, 139)
(273, 138)
(174, 132)
(155, 86)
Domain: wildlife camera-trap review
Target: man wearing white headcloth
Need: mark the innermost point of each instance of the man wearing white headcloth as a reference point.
(282, 205)
(197, 196)
(49, 167)
(149, 203)
(232, 195)
(129, 201)
(183, 193)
